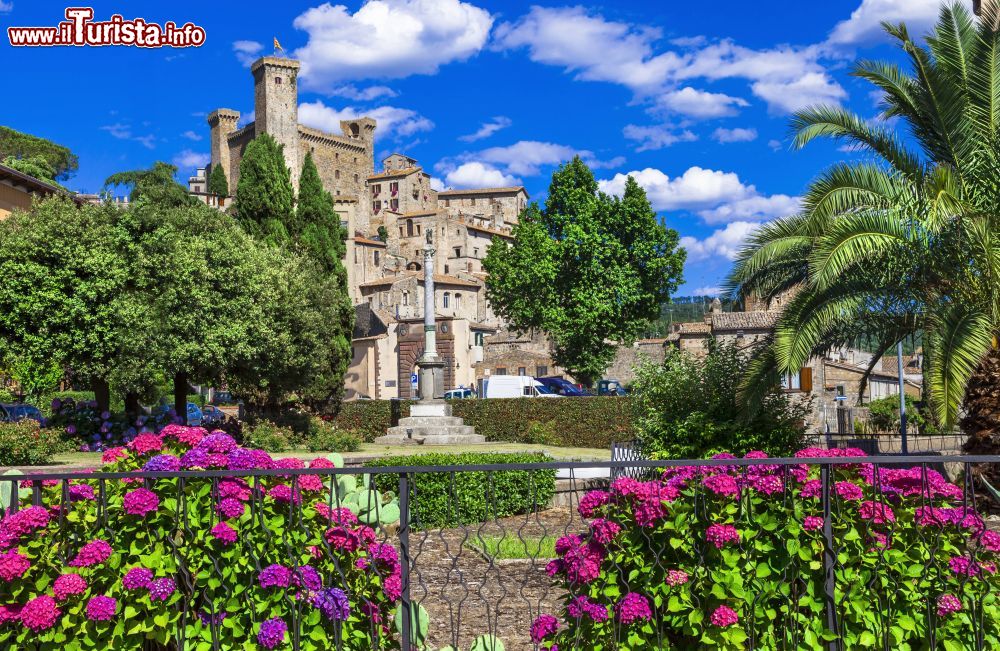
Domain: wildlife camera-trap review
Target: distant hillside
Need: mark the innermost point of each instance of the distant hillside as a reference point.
(683, 309)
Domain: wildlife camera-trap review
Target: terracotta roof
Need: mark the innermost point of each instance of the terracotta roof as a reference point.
(486, 229)
(692, 328)
(360, 239)
(21, 181)
(438, 278)
(403, 172)
(651, 342)
(452, 193)
(744, 320)
(416, 213)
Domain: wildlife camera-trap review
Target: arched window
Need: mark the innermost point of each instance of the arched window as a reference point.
(447, 299)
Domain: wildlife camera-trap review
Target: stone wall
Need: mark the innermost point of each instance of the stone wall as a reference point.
(628, 358)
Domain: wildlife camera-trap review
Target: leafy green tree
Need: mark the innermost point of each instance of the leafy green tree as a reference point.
(36, 166)
(156, 185)
(321, 235)
(265, 203)
(26, 147)
(908, 240)
(217, 183)
(589, 270)
(35, 377)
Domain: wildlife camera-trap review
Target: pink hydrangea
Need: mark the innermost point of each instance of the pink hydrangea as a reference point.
(990, 541)
(721, 535)
(392, 587)
(137, 578)
(13, 565)
(965, 566)
(812, 523)
(581, 560)
(40, 614)
(722, 484)
(145, 443)
(676, 577)
(10, 613)
(93, 553)
(141, 502)
(231, 508)
(101, 608)
(186, 436)
(948, 604)
(162, 589)
(625, 486)
(320, 462)
(343, 539)
(592, 501)
(633, 607)
(604, 531)
(16, 525)
(580, 606)
(338, 515)
(310, 483)
(650, 499)
(543, 628)
(847, 491)
(283, 493)
(81, 493)
(876, 512)
(811, 489)
(224, 534)
(111, 455)
(724, 616)
(67, 585)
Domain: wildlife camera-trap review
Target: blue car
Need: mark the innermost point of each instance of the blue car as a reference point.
(561, 386)
(12, 413)
(194, 415)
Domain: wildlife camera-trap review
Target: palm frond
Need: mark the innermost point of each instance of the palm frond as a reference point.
(855, 240)
(957, 338)
(984, 75)
(847, 188)
(811, 317)
(774, 256)
(896, 86)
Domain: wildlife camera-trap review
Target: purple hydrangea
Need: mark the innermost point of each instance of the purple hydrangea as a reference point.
(196, 458)
(224, 533)
(275, 576)
(163, 463)
(217, 442)
(632, 608)
(333, 603)
(161, 589)
(544, 627)
(306, 576)
(272, 633)
(137, 578)
(101, 608)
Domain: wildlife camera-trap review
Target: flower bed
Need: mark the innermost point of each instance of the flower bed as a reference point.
(727, 557)
(104, 564)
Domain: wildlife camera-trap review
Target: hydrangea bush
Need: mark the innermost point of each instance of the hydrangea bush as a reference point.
(243, 560)
(732, 557)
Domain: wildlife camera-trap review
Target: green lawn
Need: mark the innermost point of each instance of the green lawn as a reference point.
(509, 546)
(369, 450)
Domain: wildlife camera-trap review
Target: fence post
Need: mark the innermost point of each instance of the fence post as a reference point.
(408, 641)
(829, 558)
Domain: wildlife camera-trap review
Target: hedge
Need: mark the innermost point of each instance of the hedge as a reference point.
(591, 422)
(26, 444)
(442, 499)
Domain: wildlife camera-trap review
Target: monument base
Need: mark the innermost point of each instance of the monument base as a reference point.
(431, 423)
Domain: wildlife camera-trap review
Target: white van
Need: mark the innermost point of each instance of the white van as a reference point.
(516, 386)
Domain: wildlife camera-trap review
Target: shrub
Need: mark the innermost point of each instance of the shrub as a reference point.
(688, 408)
(26, 444)
(883, 417)
(87, 428)
(170, 558)
(442, 499)
(270, 437)
(592, 422)
(712, 557)
(540, 433)
(329, 437)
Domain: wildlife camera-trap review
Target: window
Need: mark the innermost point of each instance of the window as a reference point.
(446, 268)
(527, 392)
(376, 206)
(501, 371)
(475, 253)
(447, 203)
(394, 205)
(458, 301)
(447, 299)
(394, 188)
(541, 371)
(406, 298)
(522, 371)
(418, 229)
(336, 175)
(409, 228)
(376, 189)
(197, 188)
(798, 382)
(277, 81)
(477, 339)
(458, 252)
(375, 257)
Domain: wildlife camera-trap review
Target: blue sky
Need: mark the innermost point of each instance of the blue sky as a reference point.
(692, 98)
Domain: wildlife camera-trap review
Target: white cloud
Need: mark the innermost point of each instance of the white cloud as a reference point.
(725, 242)
(388, 39)
(191, 135)
(123, 131)
(247, 51)
(479, 175)
(811, 89)
(717, 197)
(350, 91)
(700, 104)
(392, 121)
(487, 129)
(6, 7)
(864, 25)
(188, 159)
(437, 184)
(657, 136)
(734, 135)
(775, 145)
(527, 158)
(706, 291)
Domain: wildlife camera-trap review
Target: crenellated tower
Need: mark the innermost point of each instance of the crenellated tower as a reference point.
(276, 106)
(222, 122)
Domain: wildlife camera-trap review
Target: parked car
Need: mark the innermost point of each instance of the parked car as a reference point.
(562, 386)
(212, 415)
(223, 398)
(610, 387)
(194, 413)
(516, 386)
(460, 393)
(12, 413)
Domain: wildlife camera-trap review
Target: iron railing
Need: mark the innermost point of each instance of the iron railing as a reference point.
(488, 574)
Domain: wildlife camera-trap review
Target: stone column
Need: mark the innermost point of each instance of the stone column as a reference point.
(431, 374)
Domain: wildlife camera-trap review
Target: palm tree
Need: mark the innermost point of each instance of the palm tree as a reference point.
(907, 241)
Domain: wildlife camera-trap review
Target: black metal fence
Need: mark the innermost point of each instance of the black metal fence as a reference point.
(468, 568)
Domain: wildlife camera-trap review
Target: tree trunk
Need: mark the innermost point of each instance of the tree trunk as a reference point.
(180, 396)
(102, 394)
(982, 407)
(132, 408)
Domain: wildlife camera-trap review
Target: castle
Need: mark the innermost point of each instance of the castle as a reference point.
(386, 215)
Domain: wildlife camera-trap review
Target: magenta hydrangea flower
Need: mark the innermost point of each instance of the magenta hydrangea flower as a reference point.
(592, 501)
(948, 604)
(284, 493)
(990, 541)
(93, 553)
(101, 608)
(10, 613)
(965, 566)
(275, 576)
(218, 442)
(676, 577)
(633, 607)
(811, 489)
(162, 589)
(137, 578)
(650, 499)
(40, 614)
(604, 531)
(544, 627)
(724, 616)
(338, 515)
(581, 561)
(724, 485)
(231, 508)
(141, 502)
(581, 606)
(186, 436)
(272, 633)
(145, 443)
(767, 484)
(307, 577)
(67, 585)
(224, 533)
(848, 491)
(13, 565)
(877, 512)
(812, 523)
(392, 587)
(13, 527)
(81, 493)
(721, 535)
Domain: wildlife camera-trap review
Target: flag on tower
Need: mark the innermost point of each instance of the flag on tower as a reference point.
(277, 45)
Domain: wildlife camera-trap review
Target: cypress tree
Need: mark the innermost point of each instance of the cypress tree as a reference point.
(217, 183)
(265, 204)
(321, 235)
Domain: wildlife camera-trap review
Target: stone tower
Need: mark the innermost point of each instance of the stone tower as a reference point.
(276, 106)
(222, 123)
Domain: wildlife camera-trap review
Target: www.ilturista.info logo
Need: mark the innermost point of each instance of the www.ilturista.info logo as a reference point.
(79, 29)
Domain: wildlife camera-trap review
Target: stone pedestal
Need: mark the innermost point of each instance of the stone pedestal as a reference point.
(431, 423)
